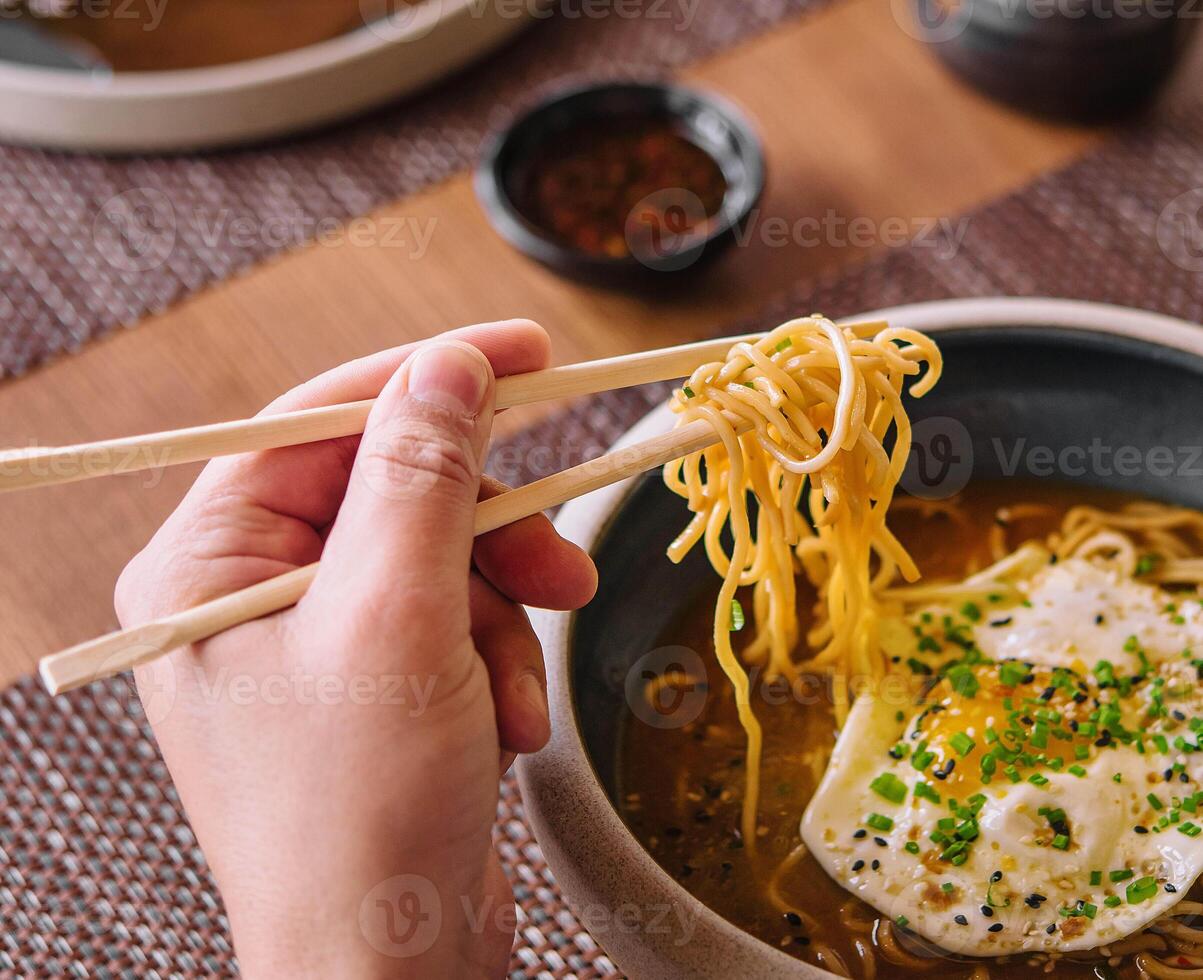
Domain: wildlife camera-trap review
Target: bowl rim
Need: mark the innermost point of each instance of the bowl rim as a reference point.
(252, 99)
(563, 769)
(527, 237)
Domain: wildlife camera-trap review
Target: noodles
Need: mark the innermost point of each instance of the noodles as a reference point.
(802, 414)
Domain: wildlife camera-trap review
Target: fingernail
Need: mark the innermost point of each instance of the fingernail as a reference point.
(532, 691)
(450, 377)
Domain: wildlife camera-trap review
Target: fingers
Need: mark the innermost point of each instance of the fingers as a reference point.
(506, 642)
(308, 482)
(253, 516)
(530, 563)
(399, 551)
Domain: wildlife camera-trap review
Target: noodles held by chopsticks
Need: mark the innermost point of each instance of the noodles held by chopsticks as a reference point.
(803, 413)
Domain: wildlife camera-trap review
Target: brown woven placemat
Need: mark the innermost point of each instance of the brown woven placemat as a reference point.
(99, 872)
(88, 243)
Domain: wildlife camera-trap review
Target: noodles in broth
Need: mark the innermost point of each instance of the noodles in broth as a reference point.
(806, 410)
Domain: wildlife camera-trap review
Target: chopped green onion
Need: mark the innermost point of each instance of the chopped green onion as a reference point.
(878, 822)
(1011, 674)
(889, 787)
(1061, 842)
(962, 744)
(688, 391)
(737, 616)
(1141, 890)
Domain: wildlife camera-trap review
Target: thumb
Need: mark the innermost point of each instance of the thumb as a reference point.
(401, 547)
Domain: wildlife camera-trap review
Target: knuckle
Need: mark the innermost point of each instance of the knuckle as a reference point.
(403, 452)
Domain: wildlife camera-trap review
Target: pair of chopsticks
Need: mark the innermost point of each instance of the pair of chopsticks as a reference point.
(123, 650)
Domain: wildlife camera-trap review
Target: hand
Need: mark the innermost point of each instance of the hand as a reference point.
(339, 761)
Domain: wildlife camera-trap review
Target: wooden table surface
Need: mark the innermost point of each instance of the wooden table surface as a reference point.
(857, 119)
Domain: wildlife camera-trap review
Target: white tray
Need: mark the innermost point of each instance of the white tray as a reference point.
(250, 100)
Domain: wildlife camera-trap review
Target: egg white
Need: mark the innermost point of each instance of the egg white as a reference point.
(1075, 614)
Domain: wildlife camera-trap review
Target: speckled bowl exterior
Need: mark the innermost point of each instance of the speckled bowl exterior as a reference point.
(1056, 372)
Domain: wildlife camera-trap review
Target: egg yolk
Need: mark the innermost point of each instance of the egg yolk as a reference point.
(985, 725)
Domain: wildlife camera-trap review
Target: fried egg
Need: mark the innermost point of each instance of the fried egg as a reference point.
(1046, 792)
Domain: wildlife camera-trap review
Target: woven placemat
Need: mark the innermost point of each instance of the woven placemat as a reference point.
(91, 243)
(99, 872)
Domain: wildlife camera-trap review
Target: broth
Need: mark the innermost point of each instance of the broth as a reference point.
(680, 789)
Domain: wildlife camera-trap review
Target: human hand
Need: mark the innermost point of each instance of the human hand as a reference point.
(339, 761)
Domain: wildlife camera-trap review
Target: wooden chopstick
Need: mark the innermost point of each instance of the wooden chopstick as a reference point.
(24, 469)
(126, 649)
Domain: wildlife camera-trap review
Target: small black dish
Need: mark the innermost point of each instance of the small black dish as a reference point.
(704, 121)
(1085, 62)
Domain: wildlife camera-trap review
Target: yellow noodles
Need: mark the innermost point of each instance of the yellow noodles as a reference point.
(806, 410)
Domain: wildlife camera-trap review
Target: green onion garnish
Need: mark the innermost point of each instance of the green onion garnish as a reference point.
(962, 744)
(1141, 890)
(890, 787)
(737, 616)
(878, 822)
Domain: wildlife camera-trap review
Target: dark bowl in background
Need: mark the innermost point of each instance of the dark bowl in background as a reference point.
(707, 120)
(1051, 373)
(1068, 59)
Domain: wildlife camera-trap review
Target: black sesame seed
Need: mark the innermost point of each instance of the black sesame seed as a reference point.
(857, 865)
(861, 834)
(960, 920)
(1006, 621)
(802, 940)
(997, 876)
(1026, 720)
(997, 927)
(1051, 928)
(987, 911)
(1170, 887)
(1141, 830)
(793, 918)
(1099, 619)
(876, 865)
(1047, 693)
(880, 841)
(1183, 777)
(1168, 774)
(1079, 697)
(1073, 725)
(1179, 715)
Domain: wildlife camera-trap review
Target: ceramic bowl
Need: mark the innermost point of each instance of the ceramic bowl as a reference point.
(250, 100)
(1047, 376)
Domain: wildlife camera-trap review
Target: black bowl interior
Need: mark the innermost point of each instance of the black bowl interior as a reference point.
(1045, 392)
